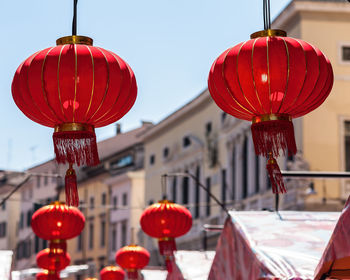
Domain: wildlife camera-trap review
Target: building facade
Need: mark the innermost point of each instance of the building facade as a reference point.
(323, 135)
(38, 191)
(111, 198)
(217, 150)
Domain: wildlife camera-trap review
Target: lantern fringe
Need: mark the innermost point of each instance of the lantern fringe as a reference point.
(169, 265)
(275, 176)
(133, 274)
(72, 197)
(167, 247)
(78, 147)
(274, 136)
(53, 275)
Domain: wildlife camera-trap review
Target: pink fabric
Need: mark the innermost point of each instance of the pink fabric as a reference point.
(234, 258)
(175, 273)
(261, 245)
(339, 244)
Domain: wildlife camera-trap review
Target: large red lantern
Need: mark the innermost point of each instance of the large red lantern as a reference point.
(270, 80)
(112, 273)
(166, 221)
(51, 262)
(57, 222)
(132, 258)
(74, 87)
(47, 275)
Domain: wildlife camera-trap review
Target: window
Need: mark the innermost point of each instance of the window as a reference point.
(174, 190)
(186, 141)
(3, 229)
(233, 173)
(223, 117)
(80, 242)
(3, 207)
(347, 145)
(208, 128)
(29, 218)
(36, 244)
(197, 193)
(46, 180)
(38, 182)
(103, 234)
(125, 199)
(115, 202)
(165, 152)
(114, 239)
(92, 202)
(208, 185)
(124, 233)
(104, 198)
(245, 168)
(91, 236)
(223, 186)
(152, 159)
(185, 190)
(257, 174)
(345, 53)
(123, 162)
(21, 221)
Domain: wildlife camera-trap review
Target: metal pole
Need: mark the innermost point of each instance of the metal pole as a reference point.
(315, 174)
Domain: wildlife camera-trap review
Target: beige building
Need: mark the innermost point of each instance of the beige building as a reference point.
(323, 136)
(111, 198)
(217, 149)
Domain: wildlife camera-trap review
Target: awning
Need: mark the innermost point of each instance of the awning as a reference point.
(335, 261)
(260, 244)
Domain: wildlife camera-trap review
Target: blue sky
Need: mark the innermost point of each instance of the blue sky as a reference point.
(169, 44)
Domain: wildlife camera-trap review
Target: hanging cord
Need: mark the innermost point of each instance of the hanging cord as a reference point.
(186, 174)
(164, 186)
(267, 14)
(74, 24)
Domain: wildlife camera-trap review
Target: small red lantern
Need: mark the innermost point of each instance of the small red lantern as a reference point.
(112, 273)
(47, 275)
(270, 80)
(132, 258)
(52, 262)
(166, 221)
(57, 222)
(74, 87)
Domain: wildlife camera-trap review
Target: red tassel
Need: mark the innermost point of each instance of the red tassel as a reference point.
(72, 197)
(133, 274)
(275, 176)
(273, 136)
(169, 262)
(76, 147)
(167, 246)
(53, 275)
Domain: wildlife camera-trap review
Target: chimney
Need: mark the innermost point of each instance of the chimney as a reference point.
(118, 129)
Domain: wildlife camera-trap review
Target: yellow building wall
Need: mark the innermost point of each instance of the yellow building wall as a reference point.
(87, 189)
(322, 129)
(192, 123)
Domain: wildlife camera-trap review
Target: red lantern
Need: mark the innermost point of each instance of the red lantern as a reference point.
(166, 221)
(52, 262)
(73, 88)
(132, 258)
(57, 222)
(47, 275)
(270, 80)
(112, 273)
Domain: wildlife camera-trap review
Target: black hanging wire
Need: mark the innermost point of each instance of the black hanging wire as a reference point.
(74, 23)
(267, 14)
